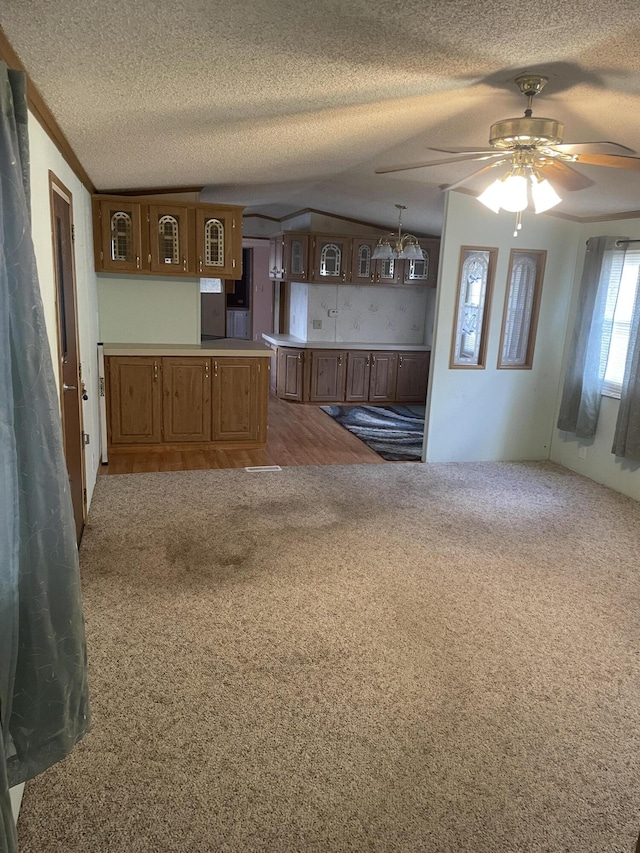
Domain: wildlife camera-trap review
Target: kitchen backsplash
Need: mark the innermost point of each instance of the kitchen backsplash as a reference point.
(394, 315)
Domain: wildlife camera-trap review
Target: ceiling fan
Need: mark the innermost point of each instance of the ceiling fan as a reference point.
(533, 151)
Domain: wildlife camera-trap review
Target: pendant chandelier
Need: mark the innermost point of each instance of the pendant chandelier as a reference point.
(398, 245)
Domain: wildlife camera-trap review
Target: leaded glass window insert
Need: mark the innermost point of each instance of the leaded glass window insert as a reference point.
(297, 258)
(419, 269)
(387, 268)
(121, 236)
(330, 260)
(169, 240)
(474, 297)
(364, 262)
(214, 243)
(522, 300)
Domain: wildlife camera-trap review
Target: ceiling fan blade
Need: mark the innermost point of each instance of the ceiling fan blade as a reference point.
(477, 150)
(475, 174)
(614, 160)
(577, 147)
(558, 172)
(384, 170)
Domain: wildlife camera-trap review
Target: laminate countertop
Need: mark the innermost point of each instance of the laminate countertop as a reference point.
(291, 341)
(230, 347)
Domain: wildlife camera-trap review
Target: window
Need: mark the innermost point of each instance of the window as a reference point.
(617, 321)
(475, 281)
(522, 302)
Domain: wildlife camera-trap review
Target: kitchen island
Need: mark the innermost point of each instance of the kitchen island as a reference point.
(196, 396)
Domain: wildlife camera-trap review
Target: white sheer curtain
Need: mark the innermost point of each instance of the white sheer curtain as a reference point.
(43, 686)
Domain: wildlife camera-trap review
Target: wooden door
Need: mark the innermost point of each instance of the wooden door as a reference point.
(121, 236)
(276, 249)
(382, 385)
(363, 267)
(67, 322)
(327, 376)
(290, 373)
(186, 407)
(134, 399)
(218, 243)
(413, 376)
(331, 259)
(295, 259)
(358, 370)
(170, 239)
(388, 271)
(237, 399)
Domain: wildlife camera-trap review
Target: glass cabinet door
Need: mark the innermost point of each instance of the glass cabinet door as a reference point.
(423, 271)
(388, 271)
(296, 252)
(363, 267)
(121, 237)
(331, 260)
(219, 243)
(170, 247)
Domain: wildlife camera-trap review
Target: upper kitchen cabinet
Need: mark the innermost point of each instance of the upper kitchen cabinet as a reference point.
(171, 239)
(331, 259)
(363, 267)
(425, 271)
(219, 242)
(144, 235)
(289, 257)
(117, 228)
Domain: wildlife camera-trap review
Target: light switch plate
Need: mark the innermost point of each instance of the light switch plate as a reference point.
(333, 312)
(317, 324)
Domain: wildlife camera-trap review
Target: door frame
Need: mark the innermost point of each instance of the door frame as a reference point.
(58, 188)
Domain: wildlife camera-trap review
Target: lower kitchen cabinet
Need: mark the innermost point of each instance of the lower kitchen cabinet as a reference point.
(382, 385)
(290, 374)
(326, 376)
(187, 400)
(412, 377)
(186, 405)
(358, 375)
(239, 400)
(135, 400)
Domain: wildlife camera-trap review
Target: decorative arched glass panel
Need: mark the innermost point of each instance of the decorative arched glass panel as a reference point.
(364, 261)
(330, 260)
(214, 243)
(474, 296)
(521, 308)
(387, 268)
(297, 257)
(419, 269)
(168, 240)
(121, 236)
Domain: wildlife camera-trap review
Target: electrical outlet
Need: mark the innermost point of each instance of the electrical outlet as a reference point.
(333, 312)
(582, 452)
(317, 324)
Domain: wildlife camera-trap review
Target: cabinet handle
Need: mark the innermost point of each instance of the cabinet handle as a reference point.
(339, 361)
(215, 368)
(200, 259)
(206, 370)
(368, 361)
(184, 264)
(373, 361)
(137, 262)
(299, 356)
(155, 370)
(283, 271)
(400, 361)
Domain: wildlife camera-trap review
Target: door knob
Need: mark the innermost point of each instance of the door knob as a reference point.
(69, 387)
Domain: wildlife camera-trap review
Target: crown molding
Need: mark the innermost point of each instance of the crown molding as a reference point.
(154, 191)
(43, 114)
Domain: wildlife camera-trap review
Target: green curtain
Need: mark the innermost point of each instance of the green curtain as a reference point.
(584, 375)
(44, 706)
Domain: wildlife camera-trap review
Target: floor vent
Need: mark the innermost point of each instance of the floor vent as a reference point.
(258, 469)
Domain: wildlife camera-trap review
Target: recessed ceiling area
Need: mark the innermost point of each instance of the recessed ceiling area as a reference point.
(280, 106)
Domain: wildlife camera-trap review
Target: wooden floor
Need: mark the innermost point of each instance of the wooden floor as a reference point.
(298, 435)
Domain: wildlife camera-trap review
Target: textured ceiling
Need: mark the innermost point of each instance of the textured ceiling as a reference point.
(287, 104)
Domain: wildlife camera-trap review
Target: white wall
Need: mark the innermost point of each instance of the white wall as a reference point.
(147, 310)
(44, 157)
(366, 314)
(599, 463)
(490, 414)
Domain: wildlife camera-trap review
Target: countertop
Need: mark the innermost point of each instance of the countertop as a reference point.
(291, 341)
(231, 347)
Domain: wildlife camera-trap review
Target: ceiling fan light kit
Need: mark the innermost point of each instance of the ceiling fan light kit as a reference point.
(533, 151)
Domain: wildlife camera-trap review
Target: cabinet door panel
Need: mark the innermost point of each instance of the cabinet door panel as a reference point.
(382, 386)
(135, 400)
(426, 271)
(296, 257)
(363, 267)
(290, 374)
(121, 236)
(327, 376)
(331, 259)
(358, 370)
(186, 410)
(236, 399)
(389, 271)
(413, 376)
(218, 243)
(276, 244)
(169, 240)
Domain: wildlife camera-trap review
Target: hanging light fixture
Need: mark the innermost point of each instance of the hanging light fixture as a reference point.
(398, 246)
(514, 190)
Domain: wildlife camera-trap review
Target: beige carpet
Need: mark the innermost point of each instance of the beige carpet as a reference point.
(362, 658)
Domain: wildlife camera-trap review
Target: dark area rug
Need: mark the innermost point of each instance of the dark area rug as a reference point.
(394, 432)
